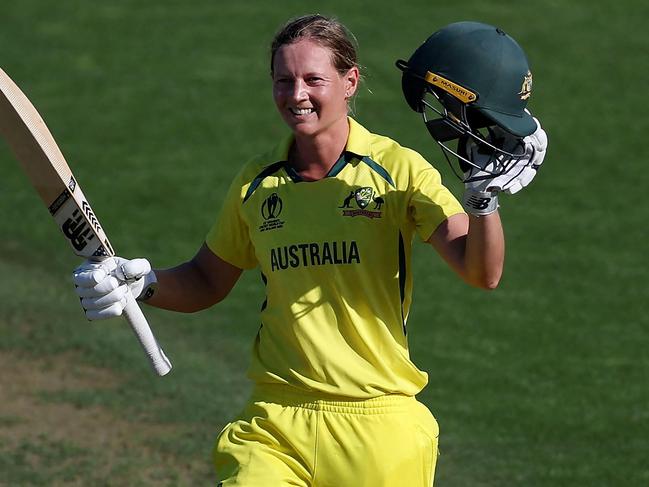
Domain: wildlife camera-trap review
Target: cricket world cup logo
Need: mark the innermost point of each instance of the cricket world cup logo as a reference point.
(271, 208)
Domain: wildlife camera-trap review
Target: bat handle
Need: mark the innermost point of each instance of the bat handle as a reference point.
(133, 314)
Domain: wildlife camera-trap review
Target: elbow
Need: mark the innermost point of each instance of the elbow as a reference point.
(484, 285)
(491, 284)
(487, 282)
(208, 300)
(216, 299)
(488, 276)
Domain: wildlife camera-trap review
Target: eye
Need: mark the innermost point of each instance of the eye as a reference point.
(314, 80)
(283, 82)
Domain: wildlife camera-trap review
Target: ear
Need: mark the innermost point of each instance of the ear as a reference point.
(352, 78)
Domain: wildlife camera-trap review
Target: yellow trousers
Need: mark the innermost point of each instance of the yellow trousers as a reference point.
(284, 438)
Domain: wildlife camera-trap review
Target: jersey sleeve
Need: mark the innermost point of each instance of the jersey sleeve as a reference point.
(430, 201)
(229, 237)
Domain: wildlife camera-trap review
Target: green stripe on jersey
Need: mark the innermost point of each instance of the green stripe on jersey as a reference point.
(336, 259)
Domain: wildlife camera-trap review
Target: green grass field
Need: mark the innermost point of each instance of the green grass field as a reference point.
(543, 382)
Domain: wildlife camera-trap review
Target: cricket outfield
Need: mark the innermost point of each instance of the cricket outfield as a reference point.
(155, 105)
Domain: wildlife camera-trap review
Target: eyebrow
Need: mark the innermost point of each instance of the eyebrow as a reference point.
(282, 74)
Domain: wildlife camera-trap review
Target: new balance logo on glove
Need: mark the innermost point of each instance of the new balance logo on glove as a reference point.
(478, 203)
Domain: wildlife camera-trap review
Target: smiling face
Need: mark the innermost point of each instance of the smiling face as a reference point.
(310, 94)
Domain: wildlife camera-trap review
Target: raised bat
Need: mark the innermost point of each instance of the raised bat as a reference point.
(27, 135)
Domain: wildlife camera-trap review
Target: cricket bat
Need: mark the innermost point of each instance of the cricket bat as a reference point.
(27, 135)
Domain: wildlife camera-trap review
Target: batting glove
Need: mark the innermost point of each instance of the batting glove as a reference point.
(103, 286)
(481, 188)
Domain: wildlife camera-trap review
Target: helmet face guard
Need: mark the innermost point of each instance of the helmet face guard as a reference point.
(457, 122)
(471, 82)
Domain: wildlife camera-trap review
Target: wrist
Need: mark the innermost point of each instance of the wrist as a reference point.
(479, 203)
(149, 286)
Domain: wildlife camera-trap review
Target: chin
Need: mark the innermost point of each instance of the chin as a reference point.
(304, 128)
(315, 127)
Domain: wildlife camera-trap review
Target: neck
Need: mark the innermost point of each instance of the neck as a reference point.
(313, 156)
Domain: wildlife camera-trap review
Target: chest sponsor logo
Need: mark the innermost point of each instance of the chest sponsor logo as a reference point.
(362, 202)
(271, 208)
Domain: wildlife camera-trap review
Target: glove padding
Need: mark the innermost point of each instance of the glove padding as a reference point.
(493, 172)
(523, 168)
(103, 286)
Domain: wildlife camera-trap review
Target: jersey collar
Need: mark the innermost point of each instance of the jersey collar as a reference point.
(358, 141)
(358, 144)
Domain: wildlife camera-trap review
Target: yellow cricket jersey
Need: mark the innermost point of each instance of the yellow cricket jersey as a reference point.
(335, 257)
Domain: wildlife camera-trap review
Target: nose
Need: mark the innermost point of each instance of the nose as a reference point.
(299, 90)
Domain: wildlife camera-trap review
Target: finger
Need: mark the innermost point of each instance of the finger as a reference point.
(522, 180)
(540, 135)
(87, 265)
(105, 313)
(526, 176)
(514, 188)
(89, 277)
(90, 273)
(538, 156)
(103, 301)
(101, 289)
(540, 140)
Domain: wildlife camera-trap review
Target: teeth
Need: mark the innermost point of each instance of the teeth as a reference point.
(301, 111)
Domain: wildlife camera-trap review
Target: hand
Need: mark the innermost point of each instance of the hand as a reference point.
(103, 286)
(484, 182)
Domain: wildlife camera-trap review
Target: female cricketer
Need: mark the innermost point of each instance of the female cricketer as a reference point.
(328, 216)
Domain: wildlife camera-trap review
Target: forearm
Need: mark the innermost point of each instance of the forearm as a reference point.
(182, 288)
(474, 247)
(484, 254)
(195, 285)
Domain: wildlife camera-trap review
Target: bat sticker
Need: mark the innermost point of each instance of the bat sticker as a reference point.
(59, 202)
(91, 216)
(77, 231)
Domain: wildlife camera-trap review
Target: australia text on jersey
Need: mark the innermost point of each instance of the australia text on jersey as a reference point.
(314, 254)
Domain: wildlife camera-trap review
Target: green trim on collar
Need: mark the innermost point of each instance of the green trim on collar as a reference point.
(292, 173)
(339, 165)
(333, 171)
(358, 144)
(380, 170)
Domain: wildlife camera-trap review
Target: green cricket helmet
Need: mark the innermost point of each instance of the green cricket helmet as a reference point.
(474, 76)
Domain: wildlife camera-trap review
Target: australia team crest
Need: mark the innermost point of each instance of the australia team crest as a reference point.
(362, 202)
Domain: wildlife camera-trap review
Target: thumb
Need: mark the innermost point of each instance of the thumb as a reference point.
(132, 270)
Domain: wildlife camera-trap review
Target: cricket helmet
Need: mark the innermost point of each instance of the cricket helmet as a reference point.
(475, 77)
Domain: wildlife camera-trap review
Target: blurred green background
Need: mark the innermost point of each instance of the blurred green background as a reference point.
(543, 382)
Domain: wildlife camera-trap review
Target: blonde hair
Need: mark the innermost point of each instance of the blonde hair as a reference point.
(326, 31)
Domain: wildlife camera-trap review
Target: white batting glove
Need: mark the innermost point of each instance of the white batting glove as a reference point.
(481, 192)
(103, 286)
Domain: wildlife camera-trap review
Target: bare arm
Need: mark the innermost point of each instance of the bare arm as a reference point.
(474, 247)
(195, 285)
